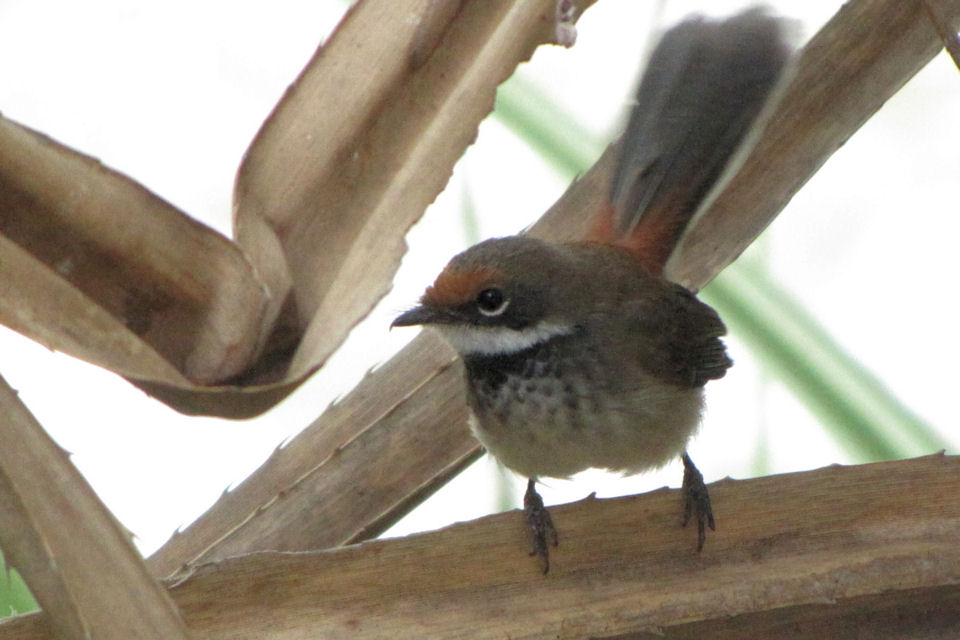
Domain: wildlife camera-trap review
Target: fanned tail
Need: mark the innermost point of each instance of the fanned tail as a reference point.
(703, 88)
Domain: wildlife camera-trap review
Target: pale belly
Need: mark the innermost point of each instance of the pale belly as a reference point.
(545, 427)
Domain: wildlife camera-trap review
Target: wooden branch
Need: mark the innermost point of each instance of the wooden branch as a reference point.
(339, 482)
(848, 549)
(847, 71)
(79, 563)
(320, 474)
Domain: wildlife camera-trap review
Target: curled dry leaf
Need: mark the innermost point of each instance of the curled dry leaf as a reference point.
(95, 265)
(363, 141)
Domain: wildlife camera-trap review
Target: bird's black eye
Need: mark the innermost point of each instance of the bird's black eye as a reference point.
(491, 301)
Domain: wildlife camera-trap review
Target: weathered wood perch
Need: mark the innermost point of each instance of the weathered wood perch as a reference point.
(866, 551)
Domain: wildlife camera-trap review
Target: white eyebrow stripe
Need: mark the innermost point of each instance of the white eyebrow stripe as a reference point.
(474, 340)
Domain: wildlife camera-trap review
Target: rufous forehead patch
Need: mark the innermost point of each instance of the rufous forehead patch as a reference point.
(456, 286)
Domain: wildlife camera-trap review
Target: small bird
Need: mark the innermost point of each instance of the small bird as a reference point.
(582, 354)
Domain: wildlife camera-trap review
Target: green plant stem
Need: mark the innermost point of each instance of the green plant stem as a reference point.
(856, 408)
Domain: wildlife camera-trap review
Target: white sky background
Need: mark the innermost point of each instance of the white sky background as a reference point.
(172, 93)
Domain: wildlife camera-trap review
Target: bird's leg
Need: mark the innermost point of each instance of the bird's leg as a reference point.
(696, 500)
(541, 525)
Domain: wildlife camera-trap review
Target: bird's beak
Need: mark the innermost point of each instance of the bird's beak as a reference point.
(418, 315)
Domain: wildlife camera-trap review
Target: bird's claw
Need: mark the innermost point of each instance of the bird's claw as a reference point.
(696, 501)
(541, 525)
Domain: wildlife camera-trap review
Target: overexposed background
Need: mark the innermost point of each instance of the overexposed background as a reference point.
(172, 93)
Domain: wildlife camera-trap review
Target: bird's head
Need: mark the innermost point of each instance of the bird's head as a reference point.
(495, 298)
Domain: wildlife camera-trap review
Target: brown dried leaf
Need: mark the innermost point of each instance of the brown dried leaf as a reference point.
(363, 142)
(97, 266)
(360, 145)
(77, 560)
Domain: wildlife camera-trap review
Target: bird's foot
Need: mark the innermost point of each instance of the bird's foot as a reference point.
(541, 525)
(696, 501)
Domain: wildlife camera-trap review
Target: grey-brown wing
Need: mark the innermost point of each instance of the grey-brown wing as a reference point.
(679, 338)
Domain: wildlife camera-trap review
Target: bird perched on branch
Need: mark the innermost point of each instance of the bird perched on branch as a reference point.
(581, 354)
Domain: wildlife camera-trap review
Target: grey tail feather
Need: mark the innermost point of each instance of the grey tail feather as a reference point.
(703, 87)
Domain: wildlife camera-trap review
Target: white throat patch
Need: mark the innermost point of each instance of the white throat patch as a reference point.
(491, 341)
